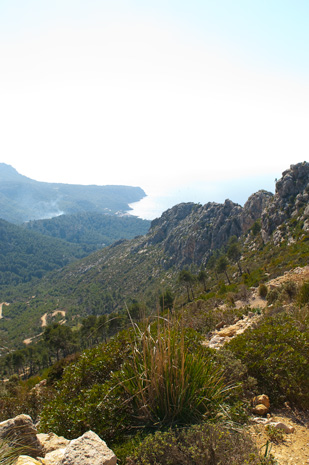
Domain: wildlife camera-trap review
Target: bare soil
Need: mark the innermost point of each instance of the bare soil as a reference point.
(294, 447)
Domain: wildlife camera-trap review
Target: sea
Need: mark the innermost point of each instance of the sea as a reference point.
(238, 190)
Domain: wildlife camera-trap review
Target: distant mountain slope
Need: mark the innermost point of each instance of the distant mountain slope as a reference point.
(94, 229)
(25, 255)
(23, 199)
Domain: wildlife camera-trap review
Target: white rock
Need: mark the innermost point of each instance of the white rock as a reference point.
(88, 449)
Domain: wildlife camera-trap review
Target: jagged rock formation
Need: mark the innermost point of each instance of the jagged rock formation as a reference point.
(189, 232)
(290, 201)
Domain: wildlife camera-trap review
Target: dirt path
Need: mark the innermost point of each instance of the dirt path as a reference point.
(1, 305)
(293, 449)
(44, 317)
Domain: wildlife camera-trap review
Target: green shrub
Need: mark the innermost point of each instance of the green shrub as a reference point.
(276, 353)
(274, 434)
(199, 445)
(263, 291)
(290, 288)
(272, 296)
(84, 398)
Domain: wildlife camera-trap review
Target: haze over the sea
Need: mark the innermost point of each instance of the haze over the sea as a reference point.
(153, 205)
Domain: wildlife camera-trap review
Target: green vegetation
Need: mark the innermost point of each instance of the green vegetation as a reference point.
(26, 255)
(202, 444)
(95, 230)
(276, 354)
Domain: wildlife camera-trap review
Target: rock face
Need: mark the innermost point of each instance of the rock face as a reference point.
(189, 232)
(21, 430)
(290, 200)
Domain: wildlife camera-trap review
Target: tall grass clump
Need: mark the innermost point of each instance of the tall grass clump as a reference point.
(9, 453)
(165, 382)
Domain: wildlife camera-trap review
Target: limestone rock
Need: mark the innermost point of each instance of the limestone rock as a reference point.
(88, 449)
(21, 430)
(26, 460)
(52, 442)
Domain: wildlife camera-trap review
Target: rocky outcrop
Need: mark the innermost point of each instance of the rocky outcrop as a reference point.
(254, 207)
(21, 431)
(190, 232)
(290, 201)
(50, 449)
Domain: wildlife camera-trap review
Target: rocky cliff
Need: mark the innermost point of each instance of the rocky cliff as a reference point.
(189, 232)
(289, 202)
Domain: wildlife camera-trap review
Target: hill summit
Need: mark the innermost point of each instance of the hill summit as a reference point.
(23, 199)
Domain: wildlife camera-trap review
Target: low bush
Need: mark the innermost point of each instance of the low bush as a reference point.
(200, 445)
(276, 354)
(272, 296)
(263, 291)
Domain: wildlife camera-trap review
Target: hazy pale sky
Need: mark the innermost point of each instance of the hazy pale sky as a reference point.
(165, 95)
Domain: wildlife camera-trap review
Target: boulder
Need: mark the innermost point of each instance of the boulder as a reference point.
(89, 449)
(21, 431)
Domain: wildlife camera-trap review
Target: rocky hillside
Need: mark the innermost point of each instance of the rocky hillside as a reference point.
(184, 236)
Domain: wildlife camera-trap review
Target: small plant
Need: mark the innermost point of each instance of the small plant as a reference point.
(9, 452)
(202, 444)
(274, 434)
(263, 290)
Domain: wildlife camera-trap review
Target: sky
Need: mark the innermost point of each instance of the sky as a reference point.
(190, 100)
